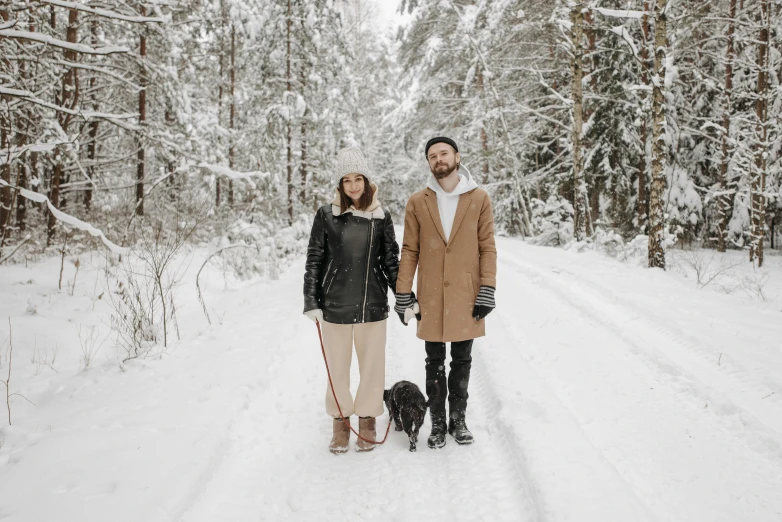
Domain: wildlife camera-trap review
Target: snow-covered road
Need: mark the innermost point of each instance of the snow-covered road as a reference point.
(602, 392)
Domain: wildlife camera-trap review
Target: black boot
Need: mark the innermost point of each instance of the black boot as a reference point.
(437, 436)
(436, 389)
(457, 427)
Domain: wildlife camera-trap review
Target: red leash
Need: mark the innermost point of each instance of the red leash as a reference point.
(323, 349)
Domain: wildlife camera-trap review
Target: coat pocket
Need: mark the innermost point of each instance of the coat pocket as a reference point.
(472, 293)
(427, 290)
(328, 281)
(421, 288)
(326, 273)
(381, 279)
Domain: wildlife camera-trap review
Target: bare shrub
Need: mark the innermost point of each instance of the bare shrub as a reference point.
(133, 310)
(142, 299)
(44, 358)
(709, 268)
(754, 284)
(88, 337)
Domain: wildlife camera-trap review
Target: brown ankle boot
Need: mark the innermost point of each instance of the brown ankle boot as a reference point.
(366, 428)
(339, 441)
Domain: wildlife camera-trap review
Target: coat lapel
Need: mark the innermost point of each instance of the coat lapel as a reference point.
(434, 211)
(461, 210)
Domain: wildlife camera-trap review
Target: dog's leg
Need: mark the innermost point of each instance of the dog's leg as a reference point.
(415, 431)
(408, 424)
(397, 422)
(393, 411)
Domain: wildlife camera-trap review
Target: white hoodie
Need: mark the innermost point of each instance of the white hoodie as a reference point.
(448, 201)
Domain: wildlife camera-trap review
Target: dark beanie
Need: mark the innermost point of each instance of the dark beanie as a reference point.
(440, 139)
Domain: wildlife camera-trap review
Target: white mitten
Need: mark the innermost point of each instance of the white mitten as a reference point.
(410, 313)
(315, 315)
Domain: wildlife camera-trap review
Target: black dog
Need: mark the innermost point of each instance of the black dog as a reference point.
(407, 406)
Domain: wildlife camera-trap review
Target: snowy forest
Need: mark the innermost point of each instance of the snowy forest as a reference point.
(165, 170)
(585, 120)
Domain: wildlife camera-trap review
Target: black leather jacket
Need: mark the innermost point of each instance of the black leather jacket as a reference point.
(351, 263)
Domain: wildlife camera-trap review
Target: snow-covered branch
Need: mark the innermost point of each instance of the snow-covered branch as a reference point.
(104, 13)
(625, 34)
(66, 218)
(624, 13)
(87, 115)
(54, 42)
(99, 69)
(225, 171)
(8, 156)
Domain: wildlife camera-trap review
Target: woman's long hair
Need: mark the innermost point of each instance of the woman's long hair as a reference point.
(363, 202)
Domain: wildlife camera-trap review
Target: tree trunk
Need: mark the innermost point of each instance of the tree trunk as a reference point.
(142, 118)
(5, 192)
(594, 65)
(723, 201)
(484, 136)
(303, 72)
(232, 122)
(68, 99)
(22, 175)
(289, 138)
(171, 180)
(92, 146)
(5, 142)
(221, 54)
(656, 202)
(642, 204)
(21, 203)
(303, 164)
(579, 187)
(758, 200)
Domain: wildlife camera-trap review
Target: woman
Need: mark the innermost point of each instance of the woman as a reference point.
(352, 260)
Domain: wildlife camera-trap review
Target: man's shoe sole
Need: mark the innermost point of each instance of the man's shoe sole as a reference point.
(434, 446)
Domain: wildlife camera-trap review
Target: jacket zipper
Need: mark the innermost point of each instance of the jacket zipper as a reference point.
(327, 272)
(331, 283)
(369, 262)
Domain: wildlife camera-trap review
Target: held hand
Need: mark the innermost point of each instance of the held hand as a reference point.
(415, 311)
(407, 303)
(315, 315)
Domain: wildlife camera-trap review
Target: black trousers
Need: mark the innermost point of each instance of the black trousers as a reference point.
(455, 387)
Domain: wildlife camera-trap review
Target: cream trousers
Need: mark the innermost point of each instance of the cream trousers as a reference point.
(370, 341)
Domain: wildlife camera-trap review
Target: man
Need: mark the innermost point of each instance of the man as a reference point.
(449, 238)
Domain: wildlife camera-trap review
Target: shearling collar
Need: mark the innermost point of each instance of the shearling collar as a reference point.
(374, 211)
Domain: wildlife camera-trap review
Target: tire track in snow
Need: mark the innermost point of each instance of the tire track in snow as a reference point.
(668, 351)
(511, 444)
(641, 432)
(571, 481)
(231, 438)
(746, 389)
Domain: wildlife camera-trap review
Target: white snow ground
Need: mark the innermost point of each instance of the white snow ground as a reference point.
(603, 392)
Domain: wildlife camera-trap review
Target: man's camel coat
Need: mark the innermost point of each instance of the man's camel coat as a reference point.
(450, 271)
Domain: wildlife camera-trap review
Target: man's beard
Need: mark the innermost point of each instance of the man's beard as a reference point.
(442, 171)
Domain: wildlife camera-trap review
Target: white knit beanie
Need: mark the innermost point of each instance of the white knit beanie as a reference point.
(351, 161)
